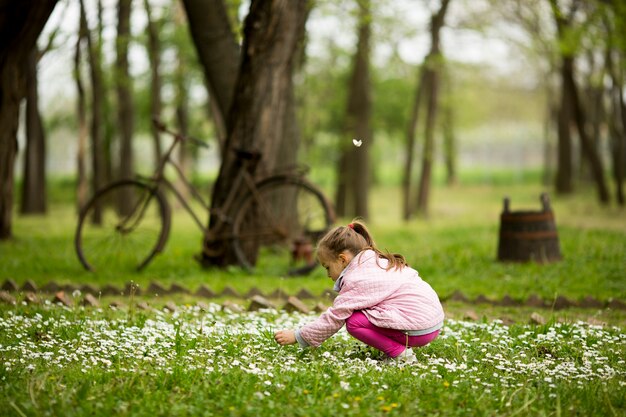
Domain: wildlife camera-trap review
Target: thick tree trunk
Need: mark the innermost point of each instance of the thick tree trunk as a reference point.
(217, 50)
(21, 22)
(34, 186)
(260, 114)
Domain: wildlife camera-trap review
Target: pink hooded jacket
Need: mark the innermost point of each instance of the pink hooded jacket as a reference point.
(395, 299)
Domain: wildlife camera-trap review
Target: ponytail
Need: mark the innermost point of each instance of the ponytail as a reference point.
(355, 238)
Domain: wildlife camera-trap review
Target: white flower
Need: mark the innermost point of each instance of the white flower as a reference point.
(357, 142)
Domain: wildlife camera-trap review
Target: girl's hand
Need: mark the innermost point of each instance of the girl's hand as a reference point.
(285, 337)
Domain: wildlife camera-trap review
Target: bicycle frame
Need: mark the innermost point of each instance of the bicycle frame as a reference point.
(159, 179)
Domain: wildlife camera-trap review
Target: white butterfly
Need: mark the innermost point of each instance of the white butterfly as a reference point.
(357, 143)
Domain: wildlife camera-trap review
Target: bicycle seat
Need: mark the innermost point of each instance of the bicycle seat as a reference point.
(246, 154)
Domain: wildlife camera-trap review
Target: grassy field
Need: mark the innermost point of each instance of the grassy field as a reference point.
(455, 249)
(201, 360)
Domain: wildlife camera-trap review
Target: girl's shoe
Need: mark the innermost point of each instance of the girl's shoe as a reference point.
(406, 357)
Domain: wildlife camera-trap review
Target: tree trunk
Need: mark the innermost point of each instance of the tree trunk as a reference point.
(125, 110)
(182, 118)
(217, 50)
(428, 155)
(34, 186)
(410, 146)
(590, 150)
(616, 116)
(154, 56)
(449, 139)
(98, 148)
(124, 89)
(260, 114)
(433, 66)
(564, 161)
(22, 24)
(354, 170)
(82, 183)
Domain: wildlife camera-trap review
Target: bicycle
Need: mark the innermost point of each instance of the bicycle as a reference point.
(281, 217)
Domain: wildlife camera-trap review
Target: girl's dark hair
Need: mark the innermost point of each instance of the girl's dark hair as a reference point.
(355, 238)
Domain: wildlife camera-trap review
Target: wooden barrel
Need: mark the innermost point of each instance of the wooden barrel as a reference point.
(528, 235)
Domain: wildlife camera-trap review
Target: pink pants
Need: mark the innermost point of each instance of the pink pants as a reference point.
(390, 341)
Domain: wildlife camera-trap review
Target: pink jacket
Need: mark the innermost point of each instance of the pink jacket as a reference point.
(394, 299)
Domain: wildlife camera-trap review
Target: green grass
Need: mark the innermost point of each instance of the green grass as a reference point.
(455, 249)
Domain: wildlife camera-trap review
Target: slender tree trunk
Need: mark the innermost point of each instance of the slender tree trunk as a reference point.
(107, 119)
(423, 194)
(358, 120)
(433, 69)
(590, 150)
(449, 142)
(82, 183)
(410, 146)
(23, 22)
(124, 89)
(342, 196)
(182, 118)
(34, 186)
(98, 149)
(125, 110)
(259, 116)
(154, 55)
(565, 114)
(616, 120)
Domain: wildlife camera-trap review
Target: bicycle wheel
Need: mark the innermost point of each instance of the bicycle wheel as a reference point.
(279, 225)
(122, 227)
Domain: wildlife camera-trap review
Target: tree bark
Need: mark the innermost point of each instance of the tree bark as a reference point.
(564, 145)
(124, 89)
(99, 150)
(589, 149)
(125, 109)
(34, 186)
(182, 119)
(217, 50)
(82, 182)
(154, 56)
(572, 111)
(358, 118)
(21, 22)
(353, 170)
(449, 136)
(410, 146)
(616, 115)
(433, 68)
(260, 113)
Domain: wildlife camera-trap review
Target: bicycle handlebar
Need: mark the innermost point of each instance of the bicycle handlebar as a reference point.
(163, 128)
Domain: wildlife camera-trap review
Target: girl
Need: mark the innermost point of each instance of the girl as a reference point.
(383, 302)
